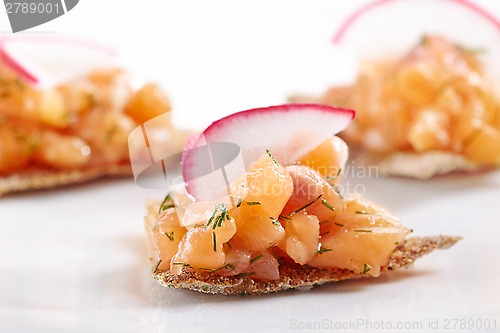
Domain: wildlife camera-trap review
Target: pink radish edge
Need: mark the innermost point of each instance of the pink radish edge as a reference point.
(194, 139)
(17, 67)
(216, 123)
(337, 38)
(14, 65)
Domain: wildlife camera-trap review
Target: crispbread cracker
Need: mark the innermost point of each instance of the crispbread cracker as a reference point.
(416, 165)
(291, 276)
(39, 178)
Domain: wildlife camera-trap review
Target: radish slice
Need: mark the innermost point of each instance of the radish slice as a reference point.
(47, 61)
(287, 131)
(466, 24)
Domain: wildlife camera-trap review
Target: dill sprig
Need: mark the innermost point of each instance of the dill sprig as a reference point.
(253, 203)
(471, 50)
(366, 268)
(423, 39)
(183, 264)
(336, 189)
(305, 206)
(336, 176)
(374, 213)
(245, 274)
(323, 250)
(213, 270)
(167, 203)
(170, 235)
(260, 256)
(156, 266)
(268, 153)
(327, 205)
(214, 240)
(275, 221)
(218, 219)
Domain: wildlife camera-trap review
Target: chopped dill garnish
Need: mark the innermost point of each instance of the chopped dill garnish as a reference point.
(475, 50)
(239, 203)
(252, 203)
(328, 205)
(32, 144)
(283, 217)
(271, 246)
(363, 230)
(373, 213)
(305, 206)
(366, 268)
(218, 219)
(156, 266)
(91, 99)
(170, 235)
(260, 256)
(214, 240)
(218, 269)
(336, 189)
(334, 177)
(411, 230)
(275, 221)
(167, 203)
(396, 243)
(323, 250)
(183, 264)
(272, 157)
(230, 266)
(423, 39)
(338, 224)
(245, 274)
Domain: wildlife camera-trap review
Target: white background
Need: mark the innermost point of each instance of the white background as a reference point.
(73, 260)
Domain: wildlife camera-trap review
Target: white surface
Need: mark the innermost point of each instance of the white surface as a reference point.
(73, 260)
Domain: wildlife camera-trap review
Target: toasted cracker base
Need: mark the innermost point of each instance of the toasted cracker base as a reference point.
(417, 165)
(298, 276)
(39, 178)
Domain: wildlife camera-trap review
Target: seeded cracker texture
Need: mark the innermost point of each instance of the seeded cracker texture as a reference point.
(406, 164)
(38, 178)
(291, 276)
